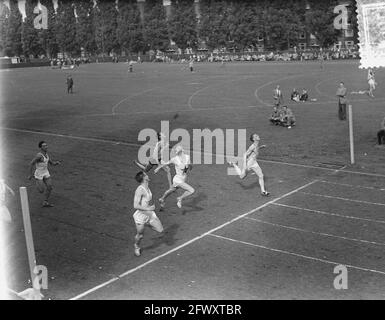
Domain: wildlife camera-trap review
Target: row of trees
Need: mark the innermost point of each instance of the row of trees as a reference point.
(107, 28)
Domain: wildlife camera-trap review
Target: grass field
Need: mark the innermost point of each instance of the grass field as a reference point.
(227, 242)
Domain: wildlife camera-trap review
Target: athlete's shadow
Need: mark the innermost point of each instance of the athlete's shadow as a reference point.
(193, 203)
(168, 237)
(249, 186)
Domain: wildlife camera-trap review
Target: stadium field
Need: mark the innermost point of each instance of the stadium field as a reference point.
(227, 242)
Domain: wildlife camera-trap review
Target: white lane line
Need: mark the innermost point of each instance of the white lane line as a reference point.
(344, 199)
(328, 213)
(299, 255)
(351, 185)
(315, 232)
(129, 144)
(191, 241)
(129, 97)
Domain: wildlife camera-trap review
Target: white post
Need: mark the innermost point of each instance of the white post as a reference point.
(29, 240)
(351, 137)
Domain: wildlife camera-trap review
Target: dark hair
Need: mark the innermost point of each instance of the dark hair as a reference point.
(251, 137)
(41, 143)
(158, 134)
(139, 176)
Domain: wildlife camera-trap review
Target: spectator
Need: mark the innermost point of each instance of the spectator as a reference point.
(287, 117)
(278, 97)
(295, 95)
(381, 134)
(304, 96)
(341, 94)
(275, 117)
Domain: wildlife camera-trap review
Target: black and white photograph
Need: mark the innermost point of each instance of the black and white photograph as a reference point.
(203, 153)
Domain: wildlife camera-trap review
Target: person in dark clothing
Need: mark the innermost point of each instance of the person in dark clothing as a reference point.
(70, 84)
(304, 96)
(381, 134)
(275, 117)
(341, 94)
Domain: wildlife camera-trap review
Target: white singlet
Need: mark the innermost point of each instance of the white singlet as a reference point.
(41, 170)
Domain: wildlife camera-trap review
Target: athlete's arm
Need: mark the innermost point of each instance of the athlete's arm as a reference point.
(163, 165)
(9, 189)
(38, 158)
(54, 163)
(137, 202)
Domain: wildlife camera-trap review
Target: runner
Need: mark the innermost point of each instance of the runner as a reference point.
(182, 166)
(250, 163)
(144, 214)
(41, 173)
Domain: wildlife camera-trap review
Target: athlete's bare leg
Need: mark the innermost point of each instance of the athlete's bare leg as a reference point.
(138, 238)
(241, 173)
(189, 190)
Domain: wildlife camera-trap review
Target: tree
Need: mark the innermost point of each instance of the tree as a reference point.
(84, 28)
(105, 26)
(11, 30)
(319, 21)
(30, 37)
(66, 29)
(129, 28)
(183, 26)
(155, 26)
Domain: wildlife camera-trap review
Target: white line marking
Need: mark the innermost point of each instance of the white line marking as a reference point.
(352, 186)
(129, 144)
(131, 96)
(314, 232)
(192, 241)
(328, 213)
(298, 255)
(345, 199)
(74, 137)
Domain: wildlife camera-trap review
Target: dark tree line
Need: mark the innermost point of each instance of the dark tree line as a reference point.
(79, 25)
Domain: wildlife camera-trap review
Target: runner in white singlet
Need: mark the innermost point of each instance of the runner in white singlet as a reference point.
(182, 165)
(39, 170)
(144, 214)
(156, 158)
(250, 163)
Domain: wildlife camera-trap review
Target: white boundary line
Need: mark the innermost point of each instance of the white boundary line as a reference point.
(139, 145)
(315, 232)
(345, 199)
(352, 186)
(328, 213)
(298, 255)
(191, 241)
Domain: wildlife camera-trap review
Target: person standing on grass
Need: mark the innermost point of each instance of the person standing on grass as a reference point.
(278, 96)
(39, 170)
(70, 84)
(182, 165)
(381, 134)
(341, 94)
(145, 212)
(250, 163)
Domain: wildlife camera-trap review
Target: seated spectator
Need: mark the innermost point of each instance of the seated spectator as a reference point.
(295, 95)
(287, 117)
(381, 134)
(275, 117)
(304, 96)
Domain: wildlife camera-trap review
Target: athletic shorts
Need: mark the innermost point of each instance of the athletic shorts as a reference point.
(144, 218)
(253, 165)
(40, 175)
(372, 83)
(177, 180)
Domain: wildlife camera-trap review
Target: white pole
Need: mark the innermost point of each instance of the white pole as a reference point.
(351, 137)
(29, 240)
